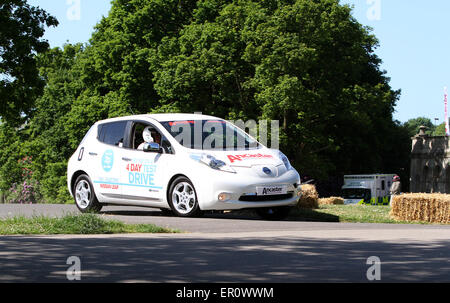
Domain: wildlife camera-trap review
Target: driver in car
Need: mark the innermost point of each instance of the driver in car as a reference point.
(147, 136)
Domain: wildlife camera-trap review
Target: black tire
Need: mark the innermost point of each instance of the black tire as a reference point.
(190, 201)
(87, 202)
(274, 213)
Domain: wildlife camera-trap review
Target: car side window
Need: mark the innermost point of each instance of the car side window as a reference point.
(112, 133)
(167, 147)
(137, 137)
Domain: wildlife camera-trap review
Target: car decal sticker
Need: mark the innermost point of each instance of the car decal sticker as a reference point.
(127, 184)
(109, 186)
(108, 160)
(108, 183)
(234, 158)
(142, 173)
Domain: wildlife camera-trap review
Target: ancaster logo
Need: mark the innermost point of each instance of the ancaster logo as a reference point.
(108, 160)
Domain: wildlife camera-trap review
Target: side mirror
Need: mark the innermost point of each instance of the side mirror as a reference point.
(152, 148)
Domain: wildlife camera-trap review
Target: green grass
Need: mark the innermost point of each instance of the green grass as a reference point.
(86, 224)
(347, 213)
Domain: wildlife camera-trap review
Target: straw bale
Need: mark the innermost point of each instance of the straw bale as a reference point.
(432, 208)
(331, 201)
(309, 198)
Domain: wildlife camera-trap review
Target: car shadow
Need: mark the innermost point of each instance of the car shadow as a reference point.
(306, 215)
(135, 213)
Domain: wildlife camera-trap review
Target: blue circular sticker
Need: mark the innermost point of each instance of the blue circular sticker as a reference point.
(108, 160)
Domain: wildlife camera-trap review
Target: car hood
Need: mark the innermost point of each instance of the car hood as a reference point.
(247, 158)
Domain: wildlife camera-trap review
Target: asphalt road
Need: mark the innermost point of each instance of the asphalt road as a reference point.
(227, 248)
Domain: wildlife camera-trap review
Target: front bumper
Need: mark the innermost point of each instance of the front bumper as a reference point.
(240, 189)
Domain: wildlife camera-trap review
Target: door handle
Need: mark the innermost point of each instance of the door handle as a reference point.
(126, 159)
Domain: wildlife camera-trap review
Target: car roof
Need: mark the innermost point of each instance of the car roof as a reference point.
(180, 117)
(163, 117)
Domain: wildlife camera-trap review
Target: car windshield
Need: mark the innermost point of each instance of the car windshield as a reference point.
(210, 135)
(356, 193)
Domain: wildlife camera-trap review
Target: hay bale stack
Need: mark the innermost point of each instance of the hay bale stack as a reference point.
(309, 198)
(331, 201)
(432, 208)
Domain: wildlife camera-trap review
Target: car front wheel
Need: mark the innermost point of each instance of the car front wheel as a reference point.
(183, 198)
(84, 195)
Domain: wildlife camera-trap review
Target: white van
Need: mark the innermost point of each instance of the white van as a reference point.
(160, 161)
(367, 189)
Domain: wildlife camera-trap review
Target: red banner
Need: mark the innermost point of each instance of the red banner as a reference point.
(447, 129)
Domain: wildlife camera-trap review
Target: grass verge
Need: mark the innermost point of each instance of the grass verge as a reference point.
(86, 224)
(348, 214)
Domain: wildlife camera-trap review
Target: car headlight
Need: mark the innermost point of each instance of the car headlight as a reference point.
(213, 163)
(285, 160)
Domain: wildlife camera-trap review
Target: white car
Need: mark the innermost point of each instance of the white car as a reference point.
(184, 163)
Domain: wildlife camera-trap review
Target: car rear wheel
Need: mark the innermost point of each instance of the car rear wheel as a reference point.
(84, 195)
(274, 213)
(183, 198)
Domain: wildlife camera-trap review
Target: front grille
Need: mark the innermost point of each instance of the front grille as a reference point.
(266, 198)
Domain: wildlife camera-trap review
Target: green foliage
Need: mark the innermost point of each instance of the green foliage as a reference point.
(47, 136)
(10, 155)
(348, 214)
(439, 130)
(413, 125)
(22, 27)
(86, 224)
(26, 192)
(308, 64)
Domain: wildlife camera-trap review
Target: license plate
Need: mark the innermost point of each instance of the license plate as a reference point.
(271, 190)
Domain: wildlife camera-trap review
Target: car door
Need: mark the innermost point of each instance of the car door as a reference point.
(144, 173)
(106, 157)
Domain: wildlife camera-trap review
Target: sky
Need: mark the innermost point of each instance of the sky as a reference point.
(413, 34)
(415, 48)
(76, 18)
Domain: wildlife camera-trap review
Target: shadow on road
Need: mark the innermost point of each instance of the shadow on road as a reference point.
(136, 213)
(196, 259)
(306, 216)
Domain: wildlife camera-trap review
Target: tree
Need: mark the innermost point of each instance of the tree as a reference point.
(45, 138)
(439, 130)
(308, 64)
(21, 30)
(117, 65)
(413, 125)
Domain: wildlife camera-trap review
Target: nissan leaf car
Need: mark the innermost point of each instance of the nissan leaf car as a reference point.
(183, 163)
